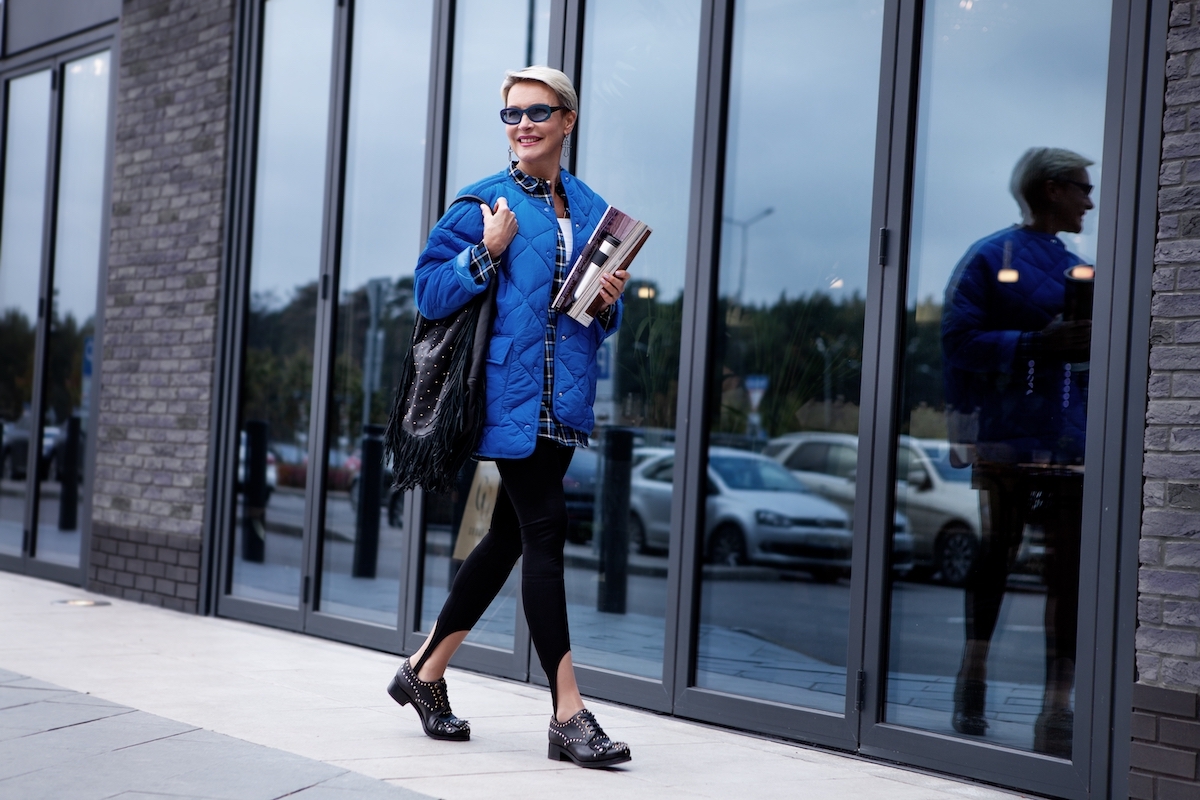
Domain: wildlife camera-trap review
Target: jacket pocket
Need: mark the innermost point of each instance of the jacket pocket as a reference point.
(498, 349)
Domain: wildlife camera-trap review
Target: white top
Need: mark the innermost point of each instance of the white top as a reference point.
(564, 225)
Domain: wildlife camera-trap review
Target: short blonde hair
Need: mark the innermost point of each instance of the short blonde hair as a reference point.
(1034, 168)
(556, 79)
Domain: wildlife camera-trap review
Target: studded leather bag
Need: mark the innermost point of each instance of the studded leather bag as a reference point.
(438, 412)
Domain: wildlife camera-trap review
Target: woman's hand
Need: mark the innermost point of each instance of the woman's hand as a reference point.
(499, 227)
(612, 285)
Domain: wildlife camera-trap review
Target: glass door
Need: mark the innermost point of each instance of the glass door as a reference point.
(984, 453)
(52, 248)
(265, 555)
(26, 159)
(361, 553)
(639, 62)
(488, 38)
(781, 519)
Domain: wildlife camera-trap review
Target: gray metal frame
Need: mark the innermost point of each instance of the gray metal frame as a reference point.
(54, 57)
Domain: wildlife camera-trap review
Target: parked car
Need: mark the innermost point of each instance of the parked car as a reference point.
(937, 498)
(579, 487)
(272, 468)
(756, 512)
(14, 450)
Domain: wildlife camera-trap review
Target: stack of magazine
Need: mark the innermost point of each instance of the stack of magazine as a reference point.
(617, 239)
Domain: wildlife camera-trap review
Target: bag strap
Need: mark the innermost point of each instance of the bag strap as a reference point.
(474, 197)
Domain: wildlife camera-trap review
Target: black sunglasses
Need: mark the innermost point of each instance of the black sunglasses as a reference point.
(1087, 187)
(538, 112)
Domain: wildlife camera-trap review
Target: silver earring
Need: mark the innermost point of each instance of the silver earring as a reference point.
(566, 146)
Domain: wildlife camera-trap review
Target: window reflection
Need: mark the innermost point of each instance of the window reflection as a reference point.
(363, 543)
(489, 38)
(784, 392)
(285, 264)
(25, 151)
(78, 239)
(990, 459)
(639, 63)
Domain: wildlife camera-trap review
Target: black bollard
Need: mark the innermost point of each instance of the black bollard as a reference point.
(370, 481)
(254, 488)
(68, 475)
(614, 521)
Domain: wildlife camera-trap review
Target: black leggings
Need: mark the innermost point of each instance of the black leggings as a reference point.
(1006, 491)
(530, 520)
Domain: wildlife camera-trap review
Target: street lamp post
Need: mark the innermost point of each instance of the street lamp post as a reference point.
(745, 226)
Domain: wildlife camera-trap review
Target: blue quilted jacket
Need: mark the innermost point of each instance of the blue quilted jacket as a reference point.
(516, 356)
(1034, 410)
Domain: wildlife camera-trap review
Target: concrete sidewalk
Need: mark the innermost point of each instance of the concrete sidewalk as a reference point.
(253, 712)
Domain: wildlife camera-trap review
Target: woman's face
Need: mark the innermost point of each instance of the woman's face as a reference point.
(537, 144)
(1069, 200)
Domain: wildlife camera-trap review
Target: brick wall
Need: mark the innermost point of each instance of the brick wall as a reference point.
(160, 316)
(1165, 728)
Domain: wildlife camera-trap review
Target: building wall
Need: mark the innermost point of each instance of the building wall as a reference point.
(1166, 733)
(156, 393)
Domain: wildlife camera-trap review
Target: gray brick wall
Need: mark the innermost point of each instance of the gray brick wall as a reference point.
(168, 195)
(1166, 733)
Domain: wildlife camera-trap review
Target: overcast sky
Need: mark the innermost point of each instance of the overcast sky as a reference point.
(997, 77)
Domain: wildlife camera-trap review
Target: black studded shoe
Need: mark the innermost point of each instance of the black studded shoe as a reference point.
(431, 702)
(970, 698)
(582, 740)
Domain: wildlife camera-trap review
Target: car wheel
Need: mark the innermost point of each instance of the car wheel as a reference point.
(8, 468)
(826, 574)
(956, 553)
(637, 534)
(395, 509)
(727, 546)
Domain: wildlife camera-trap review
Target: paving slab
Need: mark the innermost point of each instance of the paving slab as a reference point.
(143, 703)
(63, 744)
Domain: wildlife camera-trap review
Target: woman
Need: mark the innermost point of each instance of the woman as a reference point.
(541, 383)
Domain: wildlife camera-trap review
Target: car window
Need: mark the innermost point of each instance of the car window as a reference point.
(735, 472)
(663, 471)
(774, 448)
(843, 460)
(940, 456)
(809, 457)
(777, 479)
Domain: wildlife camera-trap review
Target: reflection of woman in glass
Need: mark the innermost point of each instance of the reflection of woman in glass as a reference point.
(1016, 394)
(541, 383)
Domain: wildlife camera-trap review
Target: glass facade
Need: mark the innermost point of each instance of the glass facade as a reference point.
(787, 341)
(26, 148)
(793, 515)
(362, 547)
(989, 460)
(285, 264)
(52, 250)
(756, 302)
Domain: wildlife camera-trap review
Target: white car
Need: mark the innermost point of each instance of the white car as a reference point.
(756, 512)
(937, 498)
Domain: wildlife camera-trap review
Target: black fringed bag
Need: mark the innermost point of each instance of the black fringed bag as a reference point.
(438, 412)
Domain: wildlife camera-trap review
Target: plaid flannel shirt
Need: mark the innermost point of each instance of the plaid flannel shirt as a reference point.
(483, 268)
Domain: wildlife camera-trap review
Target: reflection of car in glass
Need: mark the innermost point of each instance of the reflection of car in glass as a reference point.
(14, 451)
(937, 498)
(272, 468)
(579, 487)
(756, 512)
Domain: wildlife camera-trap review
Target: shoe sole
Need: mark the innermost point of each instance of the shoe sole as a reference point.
(559, 753)
(396, 690)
